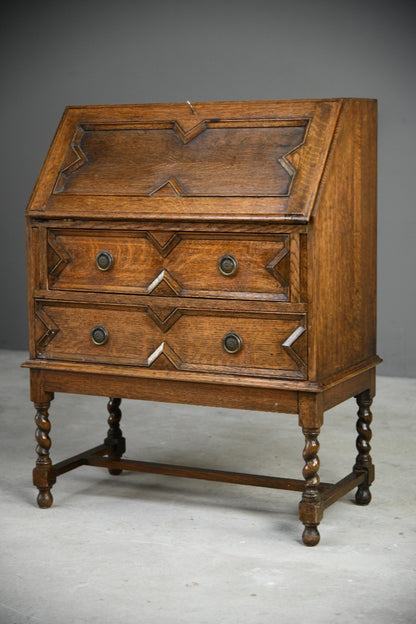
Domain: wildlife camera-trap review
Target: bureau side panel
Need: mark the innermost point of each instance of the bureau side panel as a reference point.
(34, 236)
(342, 249)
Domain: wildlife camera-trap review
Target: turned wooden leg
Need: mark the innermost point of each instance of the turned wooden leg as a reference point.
(363, 462)
(43, 475)
(310, 512)
(114, 439)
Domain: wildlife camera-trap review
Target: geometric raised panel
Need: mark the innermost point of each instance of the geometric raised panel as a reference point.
(290, 160)
(221, 158)
(164, 285)
(51, 329)
(170, 188)
(58, 259)
(288, 346)
(164, 317)
(74, 160)
(272, 268)
(164, 357)
(164, 242)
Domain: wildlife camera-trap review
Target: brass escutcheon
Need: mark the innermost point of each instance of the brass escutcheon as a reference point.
(104, 260)
(99, 335)
(232, 342)
(227, 265)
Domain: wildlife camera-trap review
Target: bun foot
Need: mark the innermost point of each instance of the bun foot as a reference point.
(310, 536)
(45, 498)
(363, 495)
(115, 471)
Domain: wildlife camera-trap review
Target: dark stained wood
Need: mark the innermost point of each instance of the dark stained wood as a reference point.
(163, 192)
(336, 491)
(78, 460)
(114, 160)
(206, 474)
(310, 508)
(43, 476)
(364, 463)
(114, 440)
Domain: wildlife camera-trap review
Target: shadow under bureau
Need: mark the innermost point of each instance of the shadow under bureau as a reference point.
(219, 254)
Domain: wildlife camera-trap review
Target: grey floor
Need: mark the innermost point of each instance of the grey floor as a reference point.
(152, 549)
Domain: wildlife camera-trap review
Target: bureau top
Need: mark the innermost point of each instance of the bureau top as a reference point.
(255, 160)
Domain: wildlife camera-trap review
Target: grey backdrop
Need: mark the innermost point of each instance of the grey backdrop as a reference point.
(91, 52)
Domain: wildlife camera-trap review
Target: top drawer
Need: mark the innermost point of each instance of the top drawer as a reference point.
(245, 266)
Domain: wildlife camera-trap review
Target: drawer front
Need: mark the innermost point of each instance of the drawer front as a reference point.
(172, 264)
(249, 343)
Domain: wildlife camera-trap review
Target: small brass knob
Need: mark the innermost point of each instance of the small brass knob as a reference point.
(227, 265)
(104, 260)
(99, 335)
(232, 342)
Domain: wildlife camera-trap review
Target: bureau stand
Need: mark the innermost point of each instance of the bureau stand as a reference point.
(316, 496)
(219, 254)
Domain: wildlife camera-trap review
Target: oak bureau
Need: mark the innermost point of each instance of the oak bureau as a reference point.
(219, 254)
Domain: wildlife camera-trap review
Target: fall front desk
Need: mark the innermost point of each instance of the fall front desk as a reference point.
(219, 254)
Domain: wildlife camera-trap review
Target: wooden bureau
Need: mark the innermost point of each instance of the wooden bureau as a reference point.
(219, 254)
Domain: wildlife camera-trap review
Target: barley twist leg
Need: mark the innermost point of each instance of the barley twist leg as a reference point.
(114, 439)
(309, 507)
(43, 476)
(363, 462)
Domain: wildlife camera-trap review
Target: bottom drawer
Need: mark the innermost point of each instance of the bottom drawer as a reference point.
(249, 343)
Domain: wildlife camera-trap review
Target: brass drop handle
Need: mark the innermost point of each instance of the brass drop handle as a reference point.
(104, 260)
(99, 335)
(232, 342)
(227, 265)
